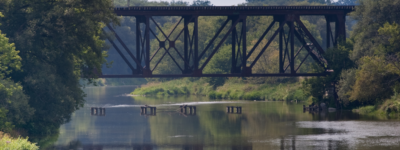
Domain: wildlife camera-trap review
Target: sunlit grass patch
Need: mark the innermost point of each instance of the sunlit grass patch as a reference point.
(365, 110)
(233, 89)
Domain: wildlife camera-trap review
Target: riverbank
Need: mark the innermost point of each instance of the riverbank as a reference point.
(8, 142)
(389, 108)
(233, 89)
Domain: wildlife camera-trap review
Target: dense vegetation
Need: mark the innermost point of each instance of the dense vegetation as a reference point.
(10, 143)
(39, 83)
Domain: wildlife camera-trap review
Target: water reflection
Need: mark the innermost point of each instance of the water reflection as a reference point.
(260, 125)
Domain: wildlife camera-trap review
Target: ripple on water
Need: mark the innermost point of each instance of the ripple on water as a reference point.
(354, 133)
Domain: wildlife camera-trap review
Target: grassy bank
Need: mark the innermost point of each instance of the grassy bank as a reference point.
(10, 143)
(389, 108)
(234, 89)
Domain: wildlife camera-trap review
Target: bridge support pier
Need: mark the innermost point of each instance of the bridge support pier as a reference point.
(339, 33)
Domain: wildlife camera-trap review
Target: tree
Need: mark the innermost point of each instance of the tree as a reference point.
(338, 59)
(14, 108)
(345, 2)
(283, 2)
(201, 3)
(370, 16)
(56, 40)
(376, 50)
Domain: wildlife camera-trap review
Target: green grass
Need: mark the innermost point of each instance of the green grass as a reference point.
(365, 110)
(174, 87)
(388, 108)
(233, 89)
(9, 143)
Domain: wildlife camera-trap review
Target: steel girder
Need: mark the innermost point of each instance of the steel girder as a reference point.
(240, 65)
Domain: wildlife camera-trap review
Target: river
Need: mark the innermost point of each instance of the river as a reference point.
(260, 125)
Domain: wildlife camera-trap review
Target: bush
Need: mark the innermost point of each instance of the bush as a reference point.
(253, 96)
(212, 95)
(366, 109)
(8, 143)
(4, 124)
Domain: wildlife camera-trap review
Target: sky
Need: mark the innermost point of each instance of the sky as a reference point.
(216, 2)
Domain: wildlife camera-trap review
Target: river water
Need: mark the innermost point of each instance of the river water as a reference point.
(261, 125)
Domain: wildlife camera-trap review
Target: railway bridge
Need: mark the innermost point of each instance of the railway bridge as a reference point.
(191, 60)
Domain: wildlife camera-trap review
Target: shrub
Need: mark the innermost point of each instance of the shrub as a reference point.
(5, 125)
(8, 143)
(212, 95)
(366, 109)
(253, 96)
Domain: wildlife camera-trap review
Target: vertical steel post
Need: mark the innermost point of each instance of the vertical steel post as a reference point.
(196, 44)
(244, 46)
(186, 43)
(337, 26)
(328, 32)
(340, 27)
(234, 34)
(147, 39)
(292, 69)
(281, 49)
(138, 43)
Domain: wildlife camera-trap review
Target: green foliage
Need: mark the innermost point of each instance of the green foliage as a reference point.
(365, 109)
(339, 60)
(15, 102)
(219, 64)
(9, 143)
(201, 3)
(346, 82)
(9, 57)
(4, 124)
(14, 107)
(56, 40)
(371, 80)
(375, 76)
(281, 2)
(392, 105)
(372, 15)
(174, 87)
(232, 89)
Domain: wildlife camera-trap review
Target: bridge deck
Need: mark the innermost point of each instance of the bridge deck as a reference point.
(230, 10)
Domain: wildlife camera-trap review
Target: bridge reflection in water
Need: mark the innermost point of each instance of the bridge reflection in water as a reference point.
(285, 143)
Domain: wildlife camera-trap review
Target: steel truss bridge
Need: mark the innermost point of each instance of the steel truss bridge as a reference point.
(241, 66)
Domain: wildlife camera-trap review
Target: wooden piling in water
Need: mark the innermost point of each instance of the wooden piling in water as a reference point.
(231, 109)
(143, 110)
(191, 111)
(95, 111)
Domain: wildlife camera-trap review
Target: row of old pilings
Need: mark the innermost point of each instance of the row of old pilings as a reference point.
(95, 111)
(192, 109)
(231, 109)
(143, 110)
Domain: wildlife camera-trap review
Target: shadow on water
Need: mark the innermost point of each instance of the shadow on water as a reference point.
(120, 123)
